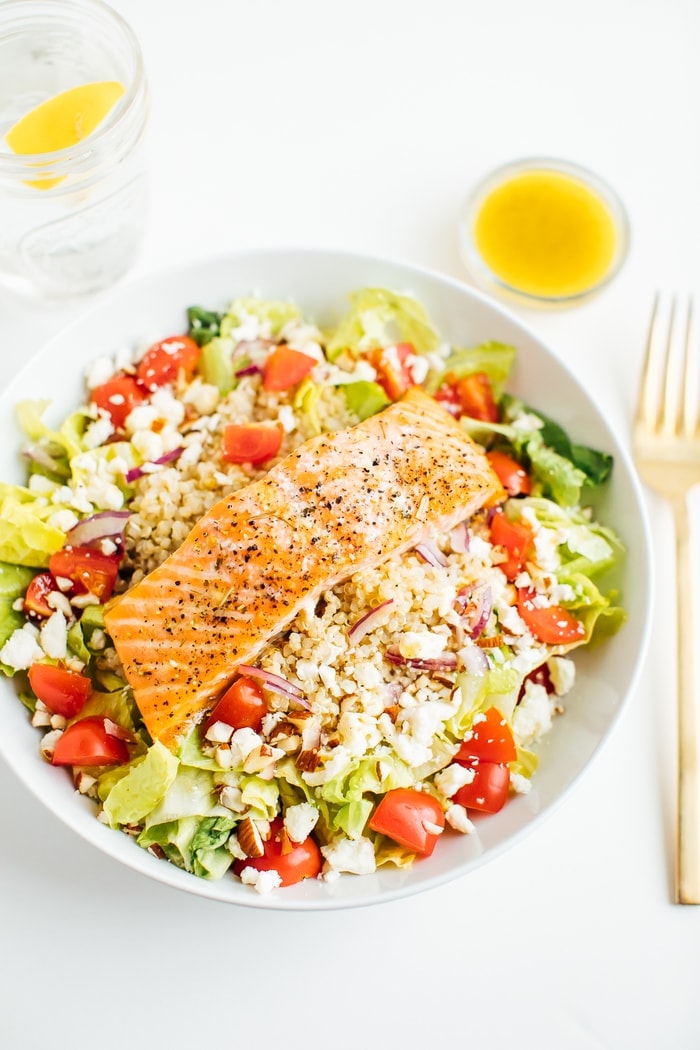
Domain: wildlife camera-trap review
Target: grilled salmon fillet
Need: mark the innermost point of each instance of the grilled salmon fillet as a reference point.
(339, 503)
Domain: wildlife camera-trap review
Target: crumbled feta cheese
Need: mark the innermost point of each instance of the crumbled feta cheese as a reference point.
(425, 719)
(204, 397)
(450, 780)
(533, 715)
(54, 636)
(353, 856)
(562, 673)
(423, 645)
(520, 784)
(358, 732)
(98, 432)
(262, 881)
(300, 820)
(63, 519)
(458, 819)
(22, 649)
(285, 415)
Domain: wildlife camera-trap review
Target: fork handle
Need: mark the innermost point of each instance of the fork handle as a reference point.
(688, 840)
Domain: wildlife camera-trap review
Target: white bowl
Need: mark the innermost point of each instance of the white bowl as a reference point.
(319, 281)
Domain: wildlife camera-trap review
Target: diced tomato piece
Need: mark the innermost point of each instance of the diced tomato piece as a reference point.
(449, 399)
(475, 395)
(285, 367)
(35, 599)
(118, 397)
(88, 742)
(488, 790)
(410, 818)
(251, 442)
(393, 374)
(514, 478)
(88, 569)
(516, 539)
(489, 740)
(242, 706)
(293, 861)
(551, 624)
(164, 361)
(63, 691)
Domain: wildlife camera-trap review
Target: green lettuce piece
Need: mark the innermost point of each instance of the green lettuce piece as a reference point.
(526, 762)
(275, 313)
(196, 845)
(119, 706)
(190, 752)
(497, 687)
(495, 359)
(191, 794)
(352, 817)
(144, 786)
(76, 643)
(261, 795)
(25, 536)
(585, 547)
(364, 398)
(14, 580)
(69, 436)
(216, 364)
(306, 402)
(594, 464)
(380, 317)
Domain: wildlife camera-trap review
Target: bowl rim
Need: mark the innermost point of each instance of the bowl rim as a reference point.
(487, 279)
(139, 860)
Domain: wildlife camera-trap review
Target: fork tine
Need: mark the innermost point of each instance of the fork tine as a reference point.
(689, 408)
(648, 402)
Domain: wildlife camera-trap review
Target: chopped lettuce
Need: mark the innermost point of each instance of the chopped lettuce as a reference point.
(14, 580)
(306, 403)
(364, 398)
(379, 317)
(203, 325)
(216, 364)
(143, 787)
(495, 359)
(26, 538)
(271, 314)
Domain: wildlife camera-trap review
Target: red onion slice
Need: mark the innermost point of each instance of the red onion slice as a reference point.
(429, 552)
(367, 622)
(43, 455)
(106, 525)
(459, 538)
(446, 662)
(139, 472)
(275, 683)
(475, 659)
(247, 370)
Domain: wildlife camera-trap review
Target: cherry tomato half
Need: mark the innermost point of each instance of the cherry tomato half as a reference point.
(285, 368)
(118, 397)
(242, 706)
(88, 569)
(63, 691)
(393, 374)
(516, 539)
(89, 743)
(551, 624)
(164, 361)
(302, 861)
(251, 442)
(35, 599)
(476, 398)
(489, 740)
(409, 817)
(488, 790)
(514, 478)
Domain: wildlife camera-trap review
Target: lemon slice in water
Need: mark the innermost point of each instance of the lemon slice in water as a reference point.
(63, 121)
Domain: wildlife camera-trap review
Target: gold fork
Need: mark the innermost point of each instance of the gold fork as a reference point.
(666, 443)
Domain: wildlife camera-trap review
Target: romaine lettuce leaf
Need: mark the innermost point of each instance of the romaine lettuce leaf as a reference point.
(380, 317)
(364, 398)
(495, 359)
(274, 314)
(143, 787)
(25, 536)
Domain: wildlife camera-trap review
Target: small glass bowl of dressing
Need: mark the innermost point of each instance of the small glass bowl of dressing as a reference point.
(543, 232)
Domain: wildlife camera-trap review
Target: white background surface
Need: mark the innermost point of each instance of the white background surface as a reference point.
(362, 126)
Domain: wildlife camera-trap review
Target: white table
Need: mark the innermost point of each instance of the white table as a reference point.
(361, 126)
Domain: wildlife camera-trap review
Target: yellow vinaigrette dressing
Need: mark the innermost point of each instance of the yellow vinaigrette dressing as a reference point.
(546, 234)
